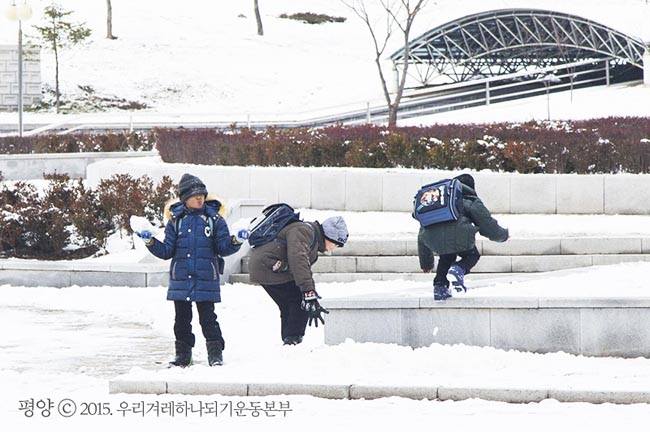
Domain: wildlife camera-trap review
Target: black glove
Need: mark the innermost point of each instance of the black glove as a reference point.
(313, 308)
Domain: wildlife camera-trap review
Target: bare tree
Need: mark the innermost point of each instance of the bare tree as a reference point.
(258, 17)
(398, 14)
(109, 20)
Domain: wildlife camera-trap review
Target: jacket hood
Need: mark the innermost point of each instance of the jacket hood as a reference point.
(468, 192)
(175, 208)
(321, 235)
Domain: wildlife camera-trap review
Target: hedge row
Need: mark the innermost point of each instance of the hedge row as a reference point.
(609, 145)
(69, 220)
(73, 143)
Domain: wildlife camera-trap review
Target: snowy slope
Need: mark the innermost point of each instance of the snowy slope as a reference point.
(202, 57)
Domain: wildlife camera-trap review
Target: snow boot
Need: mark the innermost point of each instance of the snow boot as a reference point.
(215, 353)
(441, 291)
(456, 276)
(183, 355)
(292, 340)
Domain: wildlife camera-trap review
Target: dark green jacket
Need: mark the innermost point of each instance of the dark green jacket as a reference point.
(458, 236)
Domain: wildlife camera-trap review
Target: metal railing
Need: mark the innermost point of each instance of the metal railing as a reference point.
(415, 103)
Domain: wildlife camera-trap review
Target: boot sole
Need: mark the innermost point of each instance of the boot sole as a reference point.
(455, 282)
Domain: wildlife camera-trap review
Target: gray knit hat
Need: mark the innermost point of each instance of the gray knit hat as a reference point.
(190, 186)
(335, 230)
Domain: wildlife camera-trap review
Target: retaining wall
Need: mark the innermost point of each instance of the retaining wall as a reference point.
(32, 166)
(151, 271)
(587, 326)
(364, 189)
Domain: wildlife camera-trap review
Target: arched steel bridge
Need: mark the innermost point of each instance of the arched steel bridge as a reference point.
(507, 41)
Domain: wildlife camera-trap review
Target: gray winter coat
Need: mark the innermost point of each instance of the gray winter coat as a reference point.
(458, 236)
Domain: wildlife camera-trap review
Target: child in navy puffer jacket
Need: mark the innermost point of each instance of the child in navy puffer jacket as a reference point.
(196, 239)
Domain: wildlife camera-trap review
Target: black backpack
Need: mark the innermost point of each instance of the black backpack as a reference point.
(273, 219)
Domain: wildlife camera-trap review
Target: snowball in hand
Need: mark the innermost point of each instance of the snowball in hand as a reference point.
(140, 224)
(241, 224)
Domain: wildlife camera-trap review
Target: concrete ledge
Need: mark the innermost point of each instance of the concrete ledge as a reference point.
(544, 263)
(376, 392)
(593, 327)
(326, 391)
(377, 276)
(481, 303)
(151, 271)
(492, 394)
(596, 245)
(487, 264)
(17, 276)
(357, 391)
(522, 246)
(32, 166)
(600, 396)
(624, 193)
(137, 387)
(207, 388)
(514, 247)
(374, 303)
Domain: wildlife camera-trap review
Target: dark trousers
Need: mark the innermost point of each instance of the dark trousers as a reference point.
(288, 297)
(468, 260)
(207, 319)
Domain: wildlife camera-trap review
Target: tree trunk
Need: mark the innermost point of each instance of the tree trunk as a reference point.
(392, 115)
(260, 29)
(109, 20)
(56, 80)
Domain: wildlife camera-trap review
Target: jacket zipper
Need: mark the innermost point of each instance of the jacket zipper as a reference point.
(174, 270)
(214, 271)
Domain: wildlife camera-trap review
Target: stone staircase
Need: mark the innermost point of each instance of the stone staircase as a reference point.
(396, 258)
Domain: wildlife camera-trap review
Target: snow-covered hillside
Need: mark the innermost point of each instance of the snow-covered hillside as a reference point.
(205, 56)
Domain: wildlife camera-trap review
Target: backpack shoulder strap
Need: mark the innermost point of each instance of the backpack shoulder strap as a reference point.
(177, 223)
(314, 241)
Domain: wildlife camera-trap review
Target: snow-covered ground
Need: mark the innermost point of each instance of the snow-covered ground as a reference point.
(66, 343)
(617, 100)
(201, 57)
(205, 57)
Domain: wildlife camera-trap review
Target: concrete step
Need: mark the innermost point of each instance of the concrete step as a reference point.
(487, 264)
(514, 246)
(474, 279)
(158, 385)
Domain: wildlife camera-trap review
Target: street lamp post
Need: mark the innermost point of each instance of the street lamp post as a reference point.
(21, 12)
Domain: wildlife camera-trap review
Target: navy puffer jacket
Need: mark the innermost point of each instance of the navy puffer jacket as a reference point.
(195, 251)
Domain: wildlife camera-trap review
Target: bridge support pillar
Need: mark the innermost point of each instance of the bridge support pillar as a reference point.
(646, 66)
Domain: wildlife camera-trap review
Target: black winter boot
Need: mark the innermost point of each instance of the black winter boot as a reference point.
(292, 340)
(441, 291)
(215, 353)
(183, 355)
